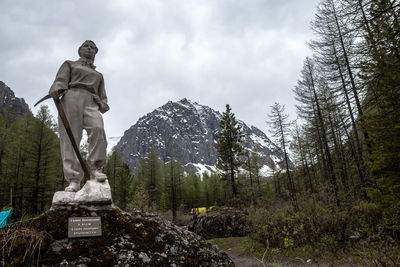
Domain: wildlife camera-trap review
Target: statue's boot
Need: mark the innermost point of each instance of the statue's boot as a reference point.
(73, 187)
(97, 175)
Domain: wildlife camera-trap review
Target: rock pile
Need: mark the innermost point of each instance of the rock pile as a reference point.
(223, 222)
(128, 239)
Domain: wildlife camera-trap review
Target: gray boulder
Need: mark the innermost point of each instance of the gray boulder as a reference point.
(223, 222)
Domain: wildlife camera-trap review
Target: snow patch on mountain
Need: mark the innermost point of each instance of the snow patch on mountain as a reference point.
(203, 168)
(262, 141)
(266, 171)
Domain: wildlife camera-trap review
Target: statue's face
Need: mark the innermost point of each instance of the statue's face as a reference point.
(88, 50)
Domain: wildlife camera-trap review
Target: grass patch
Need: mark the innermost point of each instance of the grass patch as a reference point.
(23, 241)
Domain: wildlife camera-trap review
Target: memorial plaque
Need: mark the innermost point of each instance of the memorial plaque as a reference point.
(84, 226)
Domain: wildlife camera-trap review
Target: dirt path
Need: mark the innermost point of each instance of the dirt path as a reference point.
(244, 261)
(233, 246)
(247, 261)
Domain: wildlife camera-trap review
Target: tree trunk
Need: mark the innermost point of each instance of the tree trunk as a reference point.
(325, 142)
(251, 177)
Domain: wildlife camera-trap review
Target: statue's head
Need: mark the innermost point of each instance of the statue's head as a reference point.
(88, 50)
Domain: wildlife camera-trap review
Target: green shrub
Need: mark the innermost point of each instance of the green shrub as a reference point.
(365, 218)
(284, 228)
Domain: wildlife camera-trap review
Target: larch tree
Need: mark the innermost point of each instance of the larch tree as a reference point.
(152, 179)
(280, 130)
(173, 173)
(335, 46)
(43, 153)
(310, 108)
(16, 158)
(120, 178)
(193, 192)
(301, 157)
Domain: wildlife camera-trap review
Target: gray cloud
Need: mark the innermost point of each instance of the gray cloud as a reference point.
(245, 53)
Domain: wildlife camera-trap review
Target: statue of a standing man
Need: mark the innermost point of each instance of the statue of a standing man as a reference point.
(83, 98)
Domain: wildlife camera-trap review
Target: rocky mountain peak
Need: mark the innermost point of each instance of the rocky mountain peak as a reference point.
(187, 131)
(8, 100)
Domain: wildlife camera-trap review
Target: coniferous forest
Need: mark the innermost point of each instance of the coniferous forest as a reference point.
(339, 192)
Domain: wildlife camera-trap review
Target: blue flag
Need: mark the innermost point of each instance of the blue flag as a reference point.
(3, 218)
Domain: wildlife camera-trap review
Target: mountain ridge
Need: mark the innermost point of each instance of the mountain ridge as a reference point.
(188, 130)
(9, 100)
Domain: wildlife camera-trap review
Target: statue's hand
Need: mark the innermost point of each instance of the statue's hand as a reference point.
(103, 107)
(62, 92)
(54, 94)
(58, 93)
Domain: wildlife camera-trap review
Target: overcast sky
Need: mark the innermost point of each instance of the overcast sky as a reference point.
(246, 53)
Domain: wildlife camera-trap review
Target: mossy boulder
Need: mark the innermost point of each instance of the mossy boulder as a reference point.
(128, 239)
(222, 222)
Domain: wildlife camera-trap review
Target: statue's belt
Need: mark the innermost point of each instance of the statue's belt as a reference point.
(90, 90)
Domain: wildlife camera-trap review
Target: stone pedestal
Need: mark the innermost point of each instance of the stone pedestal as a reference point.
(95, 195)
(94, 192)
(63, 197)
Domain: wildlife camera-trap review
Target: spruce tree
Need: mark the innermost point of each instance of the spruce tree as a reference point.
(381, 73)
(229, 146)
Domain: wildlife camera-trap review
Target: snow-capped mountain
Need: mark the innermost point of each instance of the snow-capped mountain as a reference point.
(188, 131)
